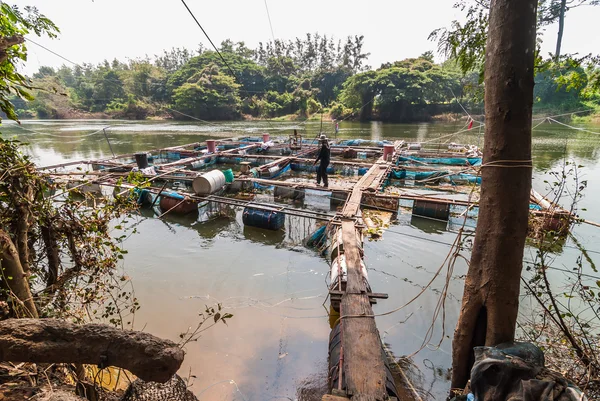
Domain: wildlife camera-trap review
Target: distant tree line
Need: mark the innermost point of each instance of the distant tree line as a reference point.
(301, 77)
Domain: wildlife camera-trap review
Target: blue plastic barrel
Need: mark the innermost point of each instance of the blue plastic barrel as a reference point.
(267, 219)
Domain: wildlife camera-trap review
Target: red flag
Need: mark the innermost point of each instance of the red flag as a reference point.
(471, 124)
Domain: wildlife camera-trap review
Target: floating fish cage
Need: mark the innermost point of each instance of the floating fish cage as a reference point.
(242, 168)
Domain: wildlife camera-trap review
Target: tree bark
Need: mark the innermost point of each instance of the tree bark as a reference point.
(491, 295)
(15, 278)
(52, 254)
(561, 28)
(8, 41)
(57, 341)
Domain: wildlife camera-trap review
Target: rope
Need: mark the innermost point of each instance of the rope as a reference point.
(62, 136)
(219, 53)
(543, 121)
(463, 108)
(564, 114)
(574, 128)
(452, 134)
(498, 163)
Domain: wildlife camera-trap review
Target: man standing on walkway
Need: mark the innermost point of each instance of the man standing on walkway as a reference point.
(324, 156)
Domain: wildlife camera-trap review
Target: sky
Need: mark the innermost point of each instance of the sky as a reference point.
(92, 31)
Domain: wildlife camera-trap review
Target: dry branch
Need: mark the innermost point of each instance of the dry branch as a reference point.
(57, 341)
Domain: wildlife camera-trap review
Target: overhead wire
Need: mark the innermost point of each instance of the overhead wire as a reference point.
(270, 23)
(119, 82)
(217, 51)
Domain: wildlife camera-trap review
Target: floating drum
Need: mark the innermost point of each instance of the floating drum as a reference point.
(141, 159)
(339, 271)
(197, 165)
(435, 210)
(414, 146)
(173, 155)
(266, 219)
(211, 145)
(144, 197)
(273, 170)
(349, 153)
(290, 193)
(173, 204)
(245, 167)
(255, 172)
(229, 177)
(388, 151)
(209, 183)
(236, 186)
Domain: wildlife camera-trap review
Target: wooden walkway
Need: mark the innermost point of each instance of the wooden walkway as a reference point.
(363, 364)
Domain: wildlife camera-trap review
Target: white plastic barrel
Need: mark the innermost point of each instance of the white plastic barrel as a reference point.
(339, 269)
(209, 183)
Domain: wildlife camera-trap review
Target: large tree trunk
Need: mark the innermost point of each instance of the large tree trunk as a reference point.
(57, 341)
(491, 296)
(561, 28)
(14, 277)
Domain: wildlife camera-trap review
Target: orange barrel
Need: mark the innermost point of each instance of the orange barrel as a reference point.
(388, 150)
(211, 145)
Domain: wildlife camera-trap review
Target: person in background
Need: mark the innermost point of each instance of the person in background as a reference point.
(325, 157)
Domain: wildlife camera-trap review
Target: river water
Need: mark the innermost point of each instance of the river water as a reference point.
(275, 347)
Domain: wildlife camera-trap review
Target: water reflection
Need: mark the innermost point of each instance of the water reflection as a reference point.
(376, 131)
(276, 345)
(428, 225)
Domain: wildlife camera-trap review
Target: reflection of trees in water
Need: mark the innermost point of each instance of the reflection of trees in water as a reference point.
(551, 145)
(428, 225)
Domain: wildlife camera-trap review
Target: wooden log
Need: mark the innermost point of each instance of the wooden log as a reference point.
(364, 366)
(329, 397)
(58, 341)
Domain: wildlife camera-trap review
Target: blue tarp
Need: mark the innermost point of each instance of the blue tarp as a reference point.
(430, 175)
(363, 142)
(449, 161)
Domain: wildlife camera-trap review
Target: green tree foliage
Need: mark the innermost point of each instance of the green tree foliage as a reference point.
(402, 91)
(14, 24)
(315, 74)
(58, 259)
(209, 94)
(560, 88)
(566, 75)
